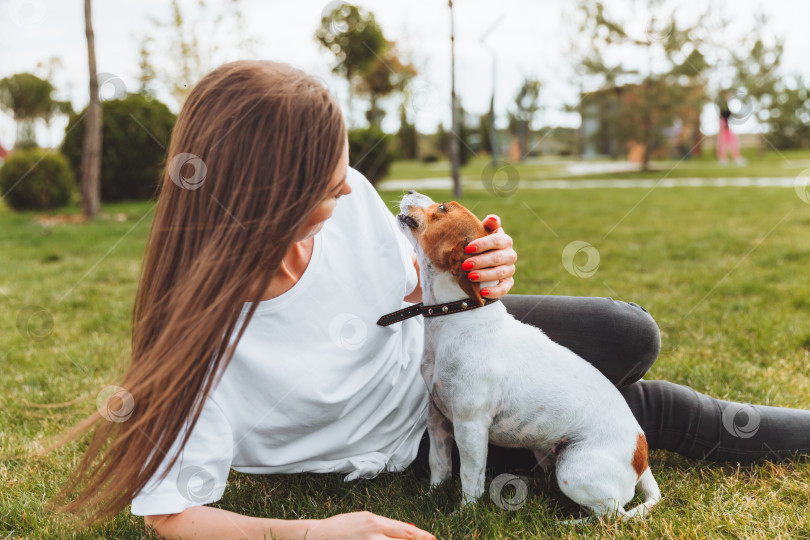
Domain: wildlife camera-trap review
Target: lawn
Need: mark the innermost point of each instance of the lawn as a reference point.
(723, 270)
(785, 163)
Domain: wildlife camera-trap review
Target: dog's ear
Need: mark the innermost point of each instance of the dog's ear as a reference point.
(456, 259)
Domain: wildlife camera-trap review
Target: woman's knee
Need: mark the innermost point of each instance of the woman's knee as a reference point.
(641, 335)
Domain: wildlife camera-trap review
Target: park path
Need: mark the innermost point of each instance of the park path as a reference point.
(447, 183)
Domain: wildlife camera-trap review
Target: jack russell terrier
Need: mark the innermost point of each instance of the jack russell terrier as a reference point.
(494, 379)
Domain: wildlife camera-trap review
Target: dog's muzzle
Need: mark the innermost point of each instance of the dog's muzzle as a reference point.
(407, 220)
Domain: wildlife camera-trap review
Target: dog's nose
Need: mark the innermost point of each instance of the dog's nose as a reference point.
(411, 192)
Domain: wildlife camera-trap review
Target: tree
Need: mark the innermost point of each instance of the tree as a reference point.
(385, 75)
(778, 102)
(364, 57)
(148, 72)
(354, 37)
(29, 99)
(788, 115)
(526, 106)
(407, 137)
(91, 151)
(190, 58)
(646, 99)
(133, 151)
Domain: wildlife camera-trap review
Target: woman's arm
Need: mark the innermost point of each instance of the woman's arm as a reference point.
(416, 295)
(202, 522)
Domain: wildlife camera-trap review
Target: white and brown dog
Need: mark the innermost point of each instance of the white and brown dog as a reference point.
(494, 379)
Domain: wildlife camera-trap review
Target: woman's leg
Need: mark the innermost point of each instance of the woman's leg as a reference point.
(733, 144)
(622, 341)
(619, 338)
(698, 426)
(721, 141)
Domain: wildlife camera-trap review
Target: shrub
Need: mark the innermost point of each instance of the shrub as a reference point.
(370, 152)
(131, 154)
(36, 179)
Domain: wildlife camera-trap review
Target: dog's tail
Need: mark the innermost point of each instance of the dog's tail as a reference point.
(648, 487)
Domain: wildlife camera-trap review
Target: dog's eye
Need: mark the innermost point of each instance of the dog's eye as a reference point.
(442, 208)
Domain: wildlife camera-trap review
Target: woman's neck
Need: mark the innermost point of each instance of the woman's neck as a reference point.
(292, 267)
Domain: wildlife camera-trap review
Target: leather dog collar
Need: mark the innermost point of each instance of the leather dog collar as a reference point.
(431, 311)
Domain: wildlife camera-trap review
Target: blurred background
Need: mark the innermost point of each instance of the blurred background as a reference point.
(626, 85)
(652, 151)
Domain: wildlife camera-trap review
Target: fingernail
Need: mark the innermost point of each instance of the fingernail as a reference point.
(411, 524)
(470, 249)
(473, 275)
(484, 292)
(468, 265)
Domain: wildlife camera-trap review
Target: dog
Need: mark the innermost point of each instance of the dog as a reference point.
(494, 379)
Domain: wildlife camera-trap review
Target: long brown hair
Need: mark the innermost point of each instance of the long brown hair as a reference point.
(251, 156)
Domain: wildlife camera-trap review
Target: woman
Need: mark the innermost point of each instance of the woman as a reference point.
(254, 322)
(726, 139)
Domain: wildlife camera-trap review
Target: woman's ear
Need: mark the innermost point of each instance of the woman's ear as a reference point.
(456, 259)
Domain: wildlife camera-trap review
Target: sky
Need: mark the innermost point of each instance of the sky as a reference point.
(530, 38)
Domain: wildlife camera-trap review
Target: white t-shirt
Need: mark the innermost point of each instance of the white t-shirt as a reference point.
(314, 384)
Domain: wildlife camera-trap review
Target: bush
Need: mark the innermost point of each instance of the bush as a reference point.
(131, 159)
(36, 179)
(370, 152)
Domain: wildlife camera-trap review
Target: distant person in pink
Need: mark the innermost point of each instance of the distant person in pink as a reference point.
(726, 139)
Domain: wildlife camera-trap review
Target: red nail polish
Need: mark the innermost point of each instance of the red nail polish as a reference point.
(411, 524)
(473, 275)
(470, 249)
(484, 292)
(467, 265)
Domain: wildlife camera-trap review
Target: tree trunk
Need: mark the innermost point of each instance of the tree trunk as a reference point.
(454, 150)
(91, 151)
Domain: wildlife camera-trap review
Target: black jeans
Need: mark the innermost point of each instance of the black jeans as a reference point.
(622, 340)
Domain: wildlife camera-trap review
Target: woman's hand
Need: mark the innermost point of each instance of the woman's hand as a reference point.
(496, 261)
(365, 526)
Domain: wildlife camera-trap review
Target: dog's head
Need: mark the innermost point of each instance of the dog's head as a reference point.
(439, 233)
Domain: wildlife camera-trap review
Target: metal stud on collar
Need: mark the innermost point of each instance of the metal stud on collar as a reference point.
(444, 309)
(464, 305)
(430, 311)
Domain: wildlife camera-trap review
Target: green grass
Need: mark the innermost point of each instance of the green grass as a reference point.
(785, 163)
(723, 270)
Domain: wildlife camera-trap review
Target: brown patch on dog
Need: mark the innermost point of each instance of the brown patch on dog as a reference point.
(640, 455)
(443, 235)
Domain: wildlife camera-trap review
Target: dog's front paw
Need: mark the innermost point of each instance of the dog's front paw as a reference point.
(468, 499)
(437, 479)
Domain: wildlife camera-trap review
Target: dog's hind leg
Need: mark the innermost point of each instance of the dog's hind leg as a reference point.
(596, 481)
(472, 438)
(440, 457)
(648, 487)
